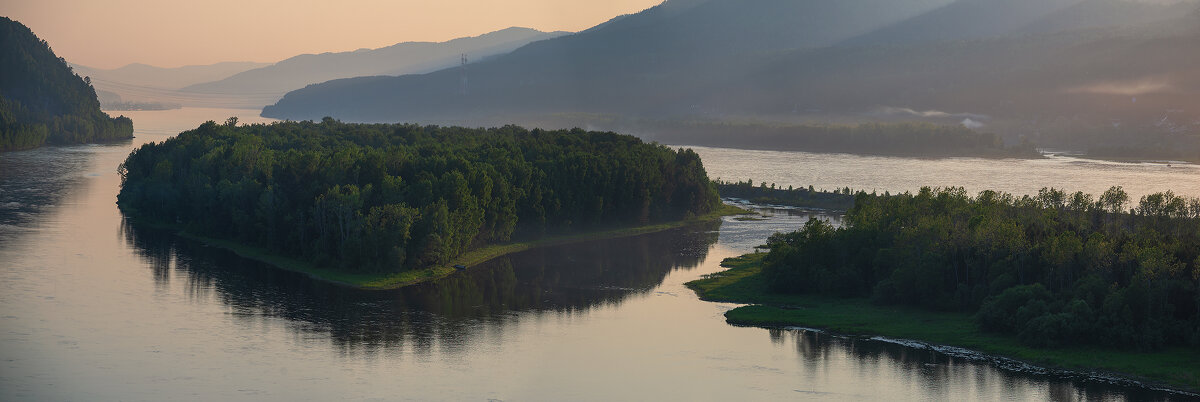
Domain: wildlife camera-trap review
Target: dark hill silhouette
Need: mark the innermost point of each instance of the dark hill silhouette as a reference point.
(42, 100)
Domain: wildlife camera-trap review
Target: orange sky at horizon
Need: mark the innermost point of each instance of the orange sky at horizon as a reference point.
(169, 33)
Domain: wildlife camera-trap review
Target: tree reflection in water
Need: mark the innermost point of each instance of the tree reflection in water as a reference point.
(938, 373)
(447, 314)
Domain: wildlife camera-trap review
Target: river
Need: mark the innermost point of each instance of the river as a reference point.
(94, 309)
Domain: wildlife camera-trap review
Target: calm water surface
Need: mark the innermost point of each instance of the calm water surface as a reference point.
(880, 173)
(94, 309)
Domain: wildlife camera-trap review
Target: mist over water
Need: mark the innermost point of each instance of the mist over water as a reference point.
(93, 308)
(901, 174)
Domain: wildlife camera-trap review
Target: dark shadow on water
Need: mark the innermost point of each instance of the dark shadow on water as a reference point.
(449, 313)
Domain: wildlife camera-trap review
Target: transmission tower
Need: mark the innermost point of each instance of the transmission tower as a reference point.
(463, 83)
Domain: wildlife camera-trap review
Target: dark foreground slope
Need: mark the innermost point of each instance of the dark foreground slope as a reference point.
(42, 101)
(390, 198)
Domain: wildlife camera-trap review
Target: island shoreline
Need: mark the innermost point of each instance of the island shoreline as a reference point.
(858, 318)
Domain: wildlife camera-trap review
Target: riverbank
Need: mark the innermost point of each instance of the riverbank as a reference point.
(396, 280)
(837, 200)
(1176, 368)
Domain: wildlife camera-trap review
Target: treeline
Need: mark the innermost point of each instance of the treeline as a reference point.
(42, 101)
(382, 198)
(900, 139)
(841, 199)
(1168, 136)
(1173, 150)
(1052, 269)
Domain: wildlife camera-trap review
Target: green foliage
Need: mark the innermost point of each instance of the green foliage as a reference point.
(386, 198)
(42, 100)
(1052, 269)
(744, 283)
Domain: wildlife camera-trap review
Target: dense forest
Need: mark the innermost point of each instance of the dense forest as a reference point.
(1052, 269)
(384, 198)
(841, 199)
(900, 139)
(42, 101)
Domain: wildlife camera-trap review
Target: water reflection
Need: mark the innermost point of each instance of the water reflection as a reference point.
(943, 376)
(747, 232)
(33, 181)
(95, 310)
(449, 313)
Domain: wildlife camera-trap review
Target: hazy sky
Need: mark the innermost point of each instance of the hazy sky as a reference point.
(171, 33)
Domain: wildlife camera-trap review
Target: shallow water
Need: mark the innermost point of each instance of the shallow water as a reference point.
(94, 309)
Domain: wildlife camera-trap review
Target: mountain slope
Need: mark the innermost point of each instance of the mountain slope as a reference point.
(965, 20)
(1090, 14)
(42, 100)
(138, 74)
(1130, 88)
(627, 64)
(401, 58)
(144, 87)
(1090, 74)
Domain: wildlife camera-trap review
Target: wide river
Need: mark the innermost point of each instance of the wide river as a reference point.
(92, 309)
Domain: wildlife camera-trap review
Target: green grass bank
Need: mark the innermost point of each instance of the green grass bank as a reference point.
(1177, 368)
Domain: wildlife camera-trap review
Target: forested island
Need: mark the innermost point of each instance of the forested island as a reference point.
(1063, 279)
(42, 101)
(362, 201)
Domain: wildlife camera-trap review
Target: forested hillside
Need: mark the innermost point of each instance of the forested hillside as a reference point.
(650, 61)
(1053, 269)
(385, 198)
(42, 101)
(1110, 77)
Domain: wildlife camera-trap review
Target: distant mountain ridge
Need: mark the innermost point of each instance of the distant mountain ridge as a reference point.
(663, 50)
(1076, 73)
(401, 58)
(138, 74)
(144, 87)
(252, 85)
